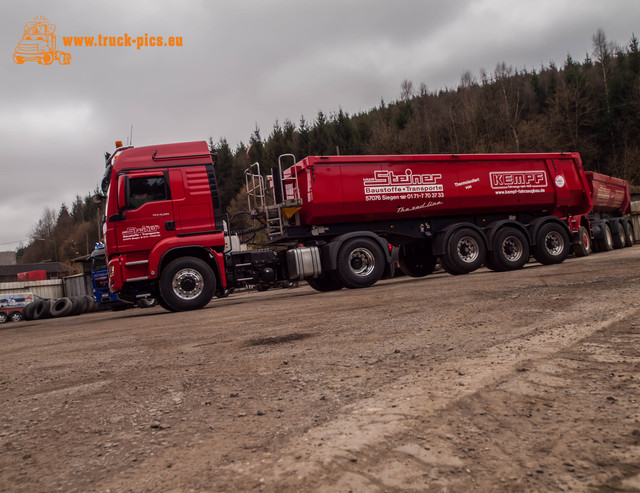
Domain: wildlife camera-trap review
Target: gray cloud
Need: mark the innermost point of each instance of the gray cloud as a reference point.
(245, 63)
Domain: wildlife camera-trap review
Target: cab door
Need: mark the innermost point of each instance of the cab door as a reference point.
(146, 210)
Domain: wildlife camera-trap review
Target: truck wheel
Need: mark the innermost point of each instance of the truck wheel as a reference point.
(466, 252)
(629, 235)
(583, 247)
(4, 318)
(606, 243)
(27, 311)
(164, 305)
(64, 59)
(619, 239)
(187, 283)
(16, 316)
(552, 245)
(360, 263)
(416, 261)
(510, 250)
(42, 310)
(61, 307)
(325, 283)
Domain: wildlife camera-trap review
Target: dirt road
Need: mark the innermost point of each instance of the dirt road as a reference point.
(516, 381)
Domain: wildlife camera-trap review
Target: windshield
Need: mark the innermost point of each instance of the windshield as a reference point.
(99, 263)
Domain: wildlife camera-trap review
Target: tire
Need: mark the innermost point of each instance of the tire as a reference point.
(552, 244)
(42, 310)
(4, 318)
(619, 239)
(16, 316)
(325, 283)
(164, 305)
(360, 263)
(583, 247)
(416, 260)
(61, 307)
(466, 251)
(187, 283)
(606, 243)
(91, 303)
(64, 59)
(27, 311)
(629, 236)
(510, 250)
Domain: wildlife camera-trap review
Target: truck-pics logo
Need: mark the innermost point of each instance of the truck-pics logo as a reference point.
(386, 181)
(138, 233)
(504, 180)
(38, 44)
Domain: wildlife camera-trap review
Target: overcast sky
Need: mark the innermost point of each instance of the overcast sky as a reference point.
(245, 63)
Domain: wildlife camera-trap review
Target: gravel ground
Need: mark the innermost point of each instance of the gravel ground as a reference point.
(519, 381)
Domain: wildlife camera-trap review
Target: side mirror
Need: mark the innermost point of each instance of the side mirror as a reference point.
(98, 198)
(123, 192)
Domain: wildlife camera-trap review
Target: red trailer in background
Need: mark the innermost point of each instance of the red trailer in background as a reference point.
(33, 275)
(608, 224)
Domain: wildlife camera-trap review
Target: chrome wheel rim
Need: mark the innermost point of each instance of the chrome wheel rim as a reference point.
(362, 262)
(187, 284)
(512, 249)
(554, 243)
(468, 249)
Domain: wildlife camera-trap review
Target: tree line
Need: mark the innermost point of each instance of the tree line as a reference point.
(590, 106)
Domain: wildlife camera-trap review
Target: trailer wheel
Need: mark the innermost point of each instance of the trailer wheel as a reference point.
(16, 316)
(325, 283)
(360, 263)
(606, 243)
(416, 260)
(629, 235)
(4, 318)
(187, 283)
(510, 250)
(583, 247)
(552, 245)
(466, 252)
(619, 239)
(27, 311)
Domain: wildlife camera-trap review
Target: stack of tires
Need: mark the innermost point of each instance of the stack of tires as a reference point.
(61, 307)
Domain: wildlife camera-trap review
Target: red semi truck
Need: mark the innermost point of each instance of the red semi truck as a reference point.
(335, 221)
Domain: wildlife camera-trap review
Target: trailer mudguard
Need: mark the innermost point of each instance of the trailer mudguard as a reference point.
(329, 252)
(442, 238)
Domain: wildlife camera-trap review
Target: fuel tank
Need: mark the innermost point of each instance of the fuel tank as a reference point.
(337, 189)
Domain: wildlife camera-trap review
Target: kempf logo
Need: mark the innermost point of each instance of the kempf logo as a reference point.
(38, 44)
(517, 179)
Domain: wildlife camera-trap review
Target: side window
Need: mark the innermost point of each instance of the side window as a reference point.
(146, 189)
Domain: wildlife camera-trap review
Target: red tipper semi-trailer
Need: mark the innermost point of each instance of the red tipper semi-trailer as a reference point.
(608, 225)
(337, 216)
